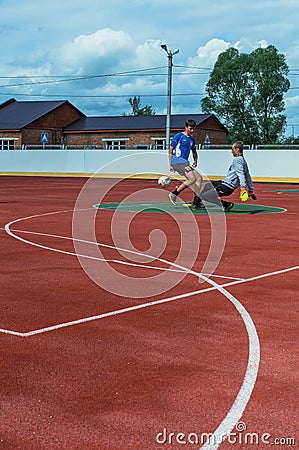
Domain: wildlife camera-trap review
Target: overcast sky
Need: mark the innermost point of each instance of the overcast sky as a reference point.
(97, 54)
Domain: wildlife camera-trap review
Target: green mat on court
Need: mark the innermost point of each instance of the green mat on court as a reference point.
(285, 190)
(166, 207)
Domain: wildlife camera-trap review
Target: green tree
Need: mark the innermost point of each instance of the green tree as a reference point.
(246, 92)
(135, 104)
(294, 140)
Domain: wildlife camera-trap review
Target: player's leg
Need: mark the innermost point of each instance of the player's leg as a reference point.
(188, 173)
(225, 191)
(205, 194)
(197, 202)
(211, 193)
(196, 179)
(198, 183)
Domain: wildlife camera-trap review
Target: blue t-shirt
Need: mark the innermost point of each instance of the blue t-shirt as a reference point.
(182, 145)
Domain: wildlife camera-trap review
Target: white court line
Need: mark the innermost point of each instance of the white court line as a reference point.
(244, 394)
(144, 305)
(98, 258)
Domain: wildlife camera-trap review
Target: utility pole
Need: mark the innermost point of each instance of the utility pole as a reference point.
(170, 55)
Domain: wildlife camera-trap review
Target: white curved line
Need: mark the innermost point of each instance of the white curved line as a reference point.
(56, 236)
(236, 411)
(8, 230)
(143, 305)
(246, 389)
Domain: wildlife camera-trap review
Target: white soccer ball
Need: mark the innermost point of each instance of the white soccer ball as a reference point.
(164, 181)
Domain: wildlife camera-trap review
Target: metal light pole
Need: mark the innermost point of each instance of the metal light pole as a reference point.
(169, 56)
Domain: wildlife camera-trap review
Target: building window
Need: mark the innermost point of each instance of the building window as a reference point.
(7, 144)
(115, 144)
(142, 147)
(160, 144)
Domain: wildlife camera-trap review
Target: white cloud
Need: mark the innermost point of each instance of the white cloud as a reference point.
(292, 102)
(150, 54)
(263, 43)
(208, 54)
(72, 38)
(105, 48)
(292, 55)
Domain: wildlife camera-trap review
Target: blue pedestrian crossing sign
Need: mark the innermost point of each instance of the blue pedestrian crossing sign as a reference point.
(44, 137)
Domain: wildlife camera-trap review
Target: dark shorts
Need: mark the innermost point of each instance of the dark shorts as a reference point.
(212, 191)
(208, 192)
(222, 189)
(182, 169)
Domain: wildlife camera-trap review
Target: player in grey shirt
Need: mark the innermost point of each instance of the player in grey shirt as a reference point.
(237, 176)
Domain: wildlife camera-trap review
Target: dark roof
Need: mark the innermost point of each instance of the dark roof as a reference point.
(15, 115)
(105, 123)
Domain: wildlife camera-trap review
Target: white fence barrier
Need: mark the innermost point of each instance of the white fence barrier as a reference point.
(264, 164)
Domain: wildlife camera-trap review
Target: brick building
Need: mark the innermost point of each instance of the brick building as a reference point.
(140, 131)
(59, 124)
(23, 123)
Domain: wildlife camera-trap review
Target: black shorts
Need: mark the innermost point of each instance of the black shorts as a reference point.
(222, 190)
(182, 169)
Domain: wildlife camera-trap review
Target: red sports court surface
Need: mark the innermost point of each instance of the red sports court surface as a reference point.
(86, 365)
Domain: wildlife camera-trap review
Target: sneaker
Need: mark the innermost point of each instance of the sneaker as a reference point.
(172, 198)
(229, 207)
(193, 207)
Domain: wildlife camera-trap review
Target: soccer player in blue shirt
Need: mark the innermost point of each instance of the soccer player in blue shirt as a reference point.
(237, 176)
(179, 150)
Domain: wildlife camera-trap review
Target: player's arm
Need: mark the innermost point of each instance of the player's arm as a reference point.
(250, 186)
(170, 155)
(195, 157)
(240, 171)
